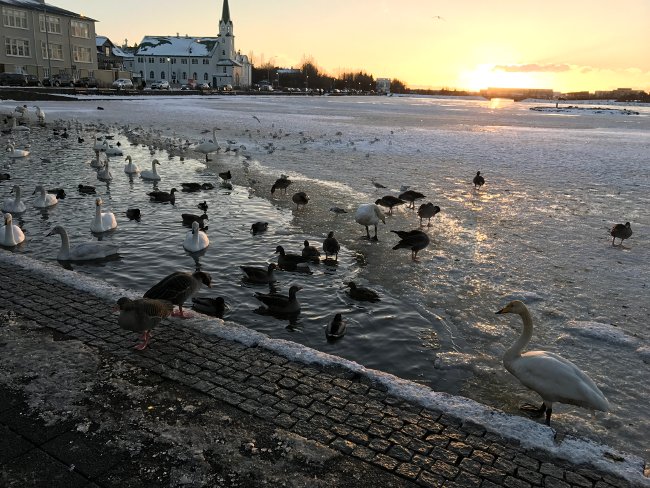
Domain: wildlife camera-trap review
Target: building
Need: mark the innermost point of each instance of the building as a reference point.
(382, 85)
(112, 57)
(189, 60)
(43, 40)
(518, 93)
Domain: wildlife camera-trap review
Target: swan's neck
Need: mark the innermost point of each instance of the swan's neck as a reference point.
(10, 239)
(65, 243)
(17, 192)
(526, 334)
(43, 193)
(214, 136)
(98, 214)
(153, 168)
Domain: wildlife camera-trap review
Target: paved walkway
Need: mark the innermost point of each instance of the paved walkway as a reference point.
(397, 443)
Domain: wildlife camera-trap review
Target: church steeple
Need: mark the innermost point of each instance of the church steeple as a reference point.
(225, 14)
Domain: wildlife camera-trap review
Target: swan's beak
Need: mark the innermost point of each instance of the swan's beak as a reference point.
(500, 311)
(505, 309)
(49, 234)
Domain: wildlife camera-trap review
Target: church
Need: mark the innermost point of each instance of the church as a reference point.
(189, 60)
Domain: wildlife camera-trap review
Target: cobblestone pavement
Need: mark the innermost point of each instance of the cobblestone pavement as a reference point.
(333, 407)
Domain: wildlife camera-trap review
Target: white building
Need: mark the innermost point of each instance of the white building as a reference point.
(185, 59)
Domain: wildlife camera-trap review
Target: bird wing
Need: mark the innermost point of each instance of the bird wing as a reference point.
(171, 288)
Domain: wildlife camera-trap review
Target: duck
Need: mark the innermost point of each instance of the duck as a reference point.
(310, 252)
(300, 198)
(258, 227)
(361, 293)
(331, 246)
(288, 261)
(142, 315)
(151, 175)
(44, 199)
(16, 153)
(411, 196)
(190, 187)
(415, 240)
(103, 221)
(5, 176)
(389, 201)
(427, 211)
(478, 180)
(553, 377)
(10, 234)
(86, 251)
(163, 196)
(225, 175)
(195, 240)
(214, 307)
(104, 174)
(130, 168)
(256, 274)
(281, 184)
(14, 205)
(369, 214)
(207, 147)
(622, 231)
(336, 328)
(203, 206)
(189, 219)
(133, 214)
(282, 304)
(178, 287)
(59, 193)
(87, 189)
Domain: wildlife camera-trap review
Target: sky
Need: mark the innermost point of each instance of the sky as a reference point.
(565, 45)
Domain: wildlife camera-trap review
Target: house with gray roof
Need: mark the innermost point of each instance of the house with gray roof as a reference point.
(112, 57)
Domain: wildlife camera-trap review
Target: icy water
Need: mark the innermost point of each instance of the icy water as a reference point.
(538, 230)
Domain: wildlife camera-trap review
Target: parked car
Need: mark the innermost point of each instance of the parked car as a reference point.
(160, 85)
(86, 82)
(60, 79)
(187, 87)
(123, 84)
(18, 79)
(203, 86)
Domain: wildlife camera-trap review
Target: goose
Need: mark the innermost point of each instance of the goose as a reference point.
(281, 183)
(195, 240)
(282, 304)
(151, 175)
(178, 287)
(369, 214)
(87, 189)
(260, 275)
(478, 180)
(361, 293)
(288, 261)
(207, 147)
(188, 219)
(336, 328)
(415, 240)
(44, 199)
(622, 231)
(104, 174)
(190, 187)
(14, 205)
(16, 153)
(389, 201)
(209, 306)
(331, 246)
(553, 377)
(427, 211)
(10, 234)
(411, 196)
(258, 227)
(142, 315)
(82, 252)
(130, 168)
(163, 196)
(300, 198)
(133, 214)
(310, 252)
(103, 221)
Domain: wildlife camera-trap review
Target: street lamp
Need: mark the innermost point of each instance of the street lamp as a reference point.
(169, 63)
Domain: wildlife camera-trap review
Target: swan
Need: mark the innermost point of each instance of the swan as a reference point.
(14, 205)
(82, 252)
(97, 162)
(10, 234)
(142, 315)
(151, 175)
(19, 128)
(40, 115)
(110, 150)
(16, 153)
(130, 168)
(478, 180)
(104, 174)
(98, 145)
(369, 214)
(178, 287)
(103, 221)
(196, 240)
(44, 200)
(554, 378)
(207, 147)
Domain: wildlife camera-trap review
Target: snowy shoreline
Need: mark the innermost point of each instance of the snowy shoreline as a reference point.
(573, 109)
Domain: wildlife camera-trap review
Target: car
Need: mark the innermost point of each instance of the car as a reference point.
(186, 87)
(86, 82)
(18, 79)
(203, 86)
(123, 84)
(160, 85)
(61, 79)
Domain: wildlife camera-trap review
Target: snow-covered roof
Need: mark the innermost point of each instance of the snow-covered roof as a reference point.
(228, 62)
(115, 51)
(36, 5)
(176, 46)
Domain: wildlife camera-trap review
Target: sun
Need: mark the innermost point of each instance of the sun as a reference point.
(485, 76)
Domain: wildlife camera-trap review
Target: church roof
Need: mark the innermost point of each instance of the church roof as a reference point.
(176, 46)
(228, 62)
(225, 14)
(36, 5)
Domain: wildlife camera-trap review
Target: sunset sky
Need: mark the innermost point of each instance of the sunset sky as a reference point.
(566, 45)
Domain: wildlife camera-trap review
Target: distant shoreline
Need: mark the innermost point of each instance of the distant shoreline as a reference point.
(593, 110)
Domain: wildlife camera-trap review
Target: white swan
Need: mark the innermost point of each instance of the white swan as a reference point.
(98, 145)
(45, 199)
(97, 162)
(195, 240)
(82, 252)
(555, 379)
(40, 115)
(14, 205)
(10, 234)
(369, 214)
(110, 150)
(207, 147)
(16, 153)
(130, 168)
(151, 175)
(19, 128)
(104, 174)
(103, 221)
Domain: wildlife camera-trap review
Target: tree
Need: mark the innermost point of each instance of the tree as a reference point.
(396, 86)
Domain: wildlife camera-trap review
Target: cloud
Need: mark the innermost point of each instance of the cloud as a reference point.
(533, 68)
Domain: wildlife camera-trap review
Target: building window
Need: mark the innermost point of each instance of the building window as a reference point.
(107, 51)
(161, 60)
(223, 52)
(173, 60)
(17, 47)
(183, 61)
(195, 61)
(79, 29)
(81, 54)
(195, 77)
(140, 60)
(151, 75)
(224, 69)
(184, 75)
(205, 77)
(14, 18)
(152, 60)
(53, 24)
(55, 51)
(206, 61)
(162, 75)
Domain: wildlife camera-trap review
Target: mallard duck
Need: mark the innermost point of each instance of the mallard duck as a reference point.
(331, 246)
(369, 214)
(310, 252)
(336, 328)
(478, 180)
(163, 196)
(282, 304)
(300, 198)
(86, 251)
(196, 240)
(178, 287)
(258, 227)
(14, 205)
(288, 261)
(622, 231)
(214, 307)
(255, 274)
(133, 214)
(203, 206)
(389, 201)
(191, 187)
(415, 240)
(103, 221)
(44, 199)
(361, 293)
(87, 189)
(281, 184)
(427, 211)
(10, 234)
(142, 315)
(411, 196)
